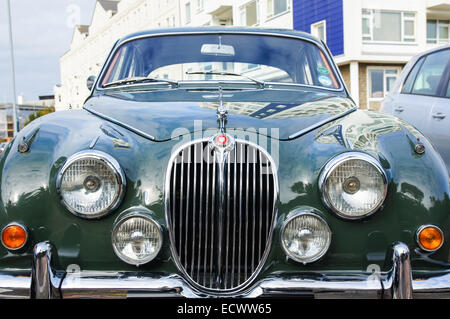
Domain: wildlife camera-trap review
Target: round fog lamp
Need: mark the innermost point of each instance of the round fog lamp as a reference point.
(305, 237)
(137, 239)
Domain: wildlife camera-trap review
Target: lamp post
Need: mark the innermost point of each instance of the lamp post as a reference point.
(13, 73)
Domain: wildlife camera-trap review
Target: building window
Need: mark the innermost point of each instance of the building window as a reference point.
(200, 5)
(188, 12)
(249, 14)
(319, 30)
(437, 31)
(276, 7)
(380, 82)
(388, 26)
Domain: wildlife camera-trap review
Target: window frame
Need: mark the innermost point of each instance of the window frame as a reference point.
(186, 6)
(200, 5)
(404, 39)
(438, 39)
(443, 83)
(243, 10)
(315, 28)
(385, 77)
(275, 15)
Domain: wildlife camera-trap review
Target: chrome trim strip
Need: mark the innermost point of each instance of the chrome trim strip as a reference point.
(200, 228)
(221, 203)
(45, 282)
(213, 206)
(188, 187)
(272, 168)
(234, 214)
(321, 123)
(111, 163)
(108, 284)
(228, 219)
(15, 284)
(15, 224)
(126, 126)
(119, 44)
(240, 212)
(206, 214)
(247, 160)
(254, 210)
(422, 228)
(338, 160)
(195, 205)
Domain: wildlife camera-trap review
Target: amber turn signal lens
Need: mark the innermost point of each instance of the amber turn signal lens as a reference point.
(14, 236)
(430, 238)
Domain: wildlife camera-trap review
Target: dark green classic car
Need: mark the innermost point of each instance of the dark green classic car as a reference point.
(221, 162)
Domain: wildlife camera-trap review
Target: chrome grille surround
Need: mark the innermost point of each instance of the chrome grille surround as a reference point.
(206, 264)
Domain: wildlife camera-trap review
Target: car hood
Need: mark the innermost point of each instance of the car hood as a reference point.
(167, 120)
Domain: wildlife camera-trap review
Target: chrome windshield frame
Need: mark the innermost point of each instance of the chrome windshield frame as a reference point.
(319, 45)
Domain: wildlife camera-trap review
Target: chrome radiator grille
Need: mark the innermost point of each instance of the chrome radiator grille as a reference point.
(221, 213)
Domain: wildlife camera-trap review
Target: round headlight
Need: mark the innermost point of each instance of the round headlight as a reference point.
(91, 184)
(353, 185)
(137, 239)
(305, 237)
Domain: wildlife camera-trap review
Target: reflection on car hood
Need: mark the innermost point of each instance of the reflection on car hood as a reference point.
(166, 120)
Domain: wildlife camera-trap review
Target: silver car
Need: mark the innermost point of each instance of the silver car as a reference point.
(421, 96)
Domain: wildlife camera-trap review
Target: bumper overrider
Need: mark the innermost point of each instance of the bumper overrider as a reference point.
(46, 282)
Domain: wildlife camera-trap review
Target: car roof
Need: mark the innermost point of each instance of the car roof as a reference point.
(439, 48)
(219, 30)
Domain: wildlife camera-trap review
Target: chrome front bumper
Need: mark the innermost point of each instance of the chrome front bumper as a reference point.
(45, 282)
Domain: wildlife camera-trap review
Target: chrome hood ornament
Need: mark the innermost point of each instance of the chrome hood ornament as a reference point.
(221, 142)
(222, 112)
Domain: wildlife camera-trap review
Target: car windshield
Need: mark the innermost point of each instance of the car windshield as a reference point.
(228, 57)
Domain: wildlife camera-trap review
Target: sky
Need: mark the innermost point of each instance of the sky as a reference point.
(42, 32)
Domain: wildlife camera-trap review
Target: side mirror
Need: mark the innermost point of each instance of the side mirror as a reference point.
(90, 82)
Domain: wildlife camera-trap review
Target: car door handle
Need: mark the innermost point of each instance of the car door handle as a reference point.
(399, 109)
(439, 116)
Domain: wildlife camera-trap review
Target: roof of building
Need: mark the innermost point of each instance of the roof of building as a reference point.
(83, 28)
(218, 30)
(109, 5)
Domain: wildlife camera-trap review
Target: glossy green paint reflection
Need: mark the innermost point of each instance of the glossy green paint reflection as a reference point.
(418, 191)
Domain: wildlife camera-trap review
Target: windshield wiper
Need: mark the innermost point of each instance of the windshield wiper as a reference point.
(261, 84)
(137, 80)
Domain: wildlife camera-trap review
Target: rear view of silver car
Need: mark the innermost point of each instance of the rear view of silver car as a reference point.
(421, 96)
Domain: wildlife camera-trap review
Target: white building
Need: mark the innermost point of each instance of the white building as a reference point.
(115, 19)
(373, 39)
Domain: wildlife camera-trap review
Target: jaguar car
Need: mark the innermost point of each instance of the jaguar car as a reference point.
(222, 162)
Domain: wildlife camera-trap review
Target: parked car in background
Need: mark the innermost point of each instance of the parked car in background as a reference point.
(3, 146)
(222, 162)
(421, 96)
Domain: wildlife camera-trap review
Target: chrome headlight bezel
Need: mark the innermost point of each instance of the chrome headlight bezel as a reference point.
(298, 214)
(338, 160)
(108, 161)
(123, 219)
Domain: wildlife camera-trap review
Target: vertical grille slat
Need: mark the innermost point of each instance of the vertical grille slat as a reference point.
(213, 206)
(220, 213)
(188, 193)
(199, 255)
(206, 220)
(227, 243)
